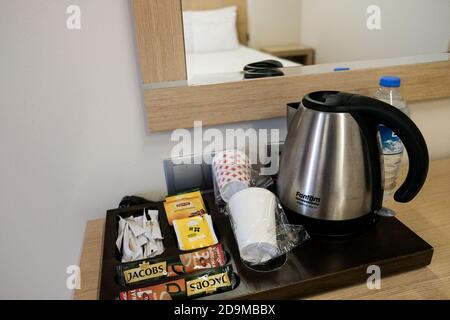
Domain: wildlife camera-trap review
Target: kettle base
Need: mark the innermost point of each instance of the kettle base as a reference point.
(327, 228)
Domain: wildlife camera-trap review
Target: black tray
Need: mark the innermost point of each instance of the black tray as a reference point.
(319, 265)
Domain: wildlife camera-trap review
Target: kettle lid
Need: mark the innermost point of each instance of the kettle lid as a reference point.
(328, 101)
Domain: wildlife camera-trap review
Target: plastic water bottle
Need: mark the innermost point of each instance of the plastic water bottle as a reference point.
(389, 92)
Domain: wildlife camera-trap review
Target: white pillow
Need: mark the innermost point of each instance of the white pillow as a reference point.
(210, 30)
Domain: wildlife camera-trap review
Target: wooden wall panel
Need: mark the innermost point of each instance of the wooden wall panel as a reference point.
(160, 40)
(179, 107)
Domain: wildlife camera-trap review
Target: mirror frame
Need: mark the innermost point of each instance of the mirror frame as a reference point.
(172, 104)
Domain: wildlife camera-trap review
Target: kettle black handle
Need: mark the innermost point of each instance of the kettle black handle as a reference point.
(379, 112)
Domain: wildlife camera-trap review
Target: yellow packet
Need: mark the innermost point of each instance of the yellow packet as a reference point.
(184, 206)
(195, 232)
(184, 195)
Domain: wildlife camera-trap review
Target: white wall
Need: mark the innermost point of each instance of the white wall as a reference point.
(337, 29)
(73, 137)
(273, 22)
(432, 118)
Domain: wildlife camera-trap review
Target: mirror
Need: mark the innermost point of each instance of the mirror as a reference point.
(306, 36)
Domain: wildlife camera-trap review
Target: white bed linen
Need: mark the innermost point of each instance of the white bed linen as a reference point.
(230, 62)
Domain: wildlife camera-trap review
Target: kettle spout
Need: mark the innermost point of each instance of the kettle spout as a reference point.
(292, 109)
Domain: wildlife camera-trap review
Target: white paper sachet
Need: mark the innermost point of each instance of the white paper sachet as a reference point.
(153, 248)
(140, 238)
(122, 226)
(130, 252)
(136, 227)
(154, 224)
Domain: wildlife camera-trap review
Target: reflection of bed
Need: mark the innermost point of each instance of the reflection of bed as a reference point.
(241, 23)
(227, 61)
(227, 64)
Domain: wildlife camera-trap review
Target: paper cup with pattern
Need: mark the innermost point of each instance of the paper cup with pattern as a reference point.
(232, 172)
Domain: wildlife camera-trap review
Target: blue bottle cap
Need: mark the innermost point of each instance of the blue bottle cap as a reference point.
(341, 69)
(390, 81)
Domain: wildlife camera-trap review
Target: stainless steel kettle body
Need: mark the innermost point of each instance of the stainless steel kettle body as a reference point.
(324, 171)
(331, 166)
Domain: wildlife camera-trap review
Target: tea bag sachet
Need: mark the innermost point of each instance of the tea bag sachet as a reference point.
(195, 232)
(184, 206)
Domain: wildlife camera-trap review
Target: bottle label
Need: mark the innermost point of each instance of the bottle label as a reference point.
(390, 142)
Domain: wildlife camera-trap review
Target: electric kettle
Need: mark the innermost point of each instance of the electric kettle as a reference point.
(331, 166)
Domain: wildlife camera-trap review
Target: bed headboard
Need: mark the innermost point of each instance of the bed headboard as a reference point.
(216, 4)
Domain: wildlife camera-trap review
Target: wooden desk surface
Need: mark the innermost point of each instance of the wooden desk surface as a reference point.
(428, 215)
